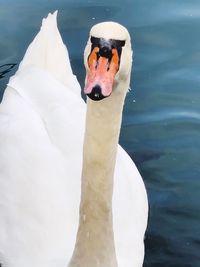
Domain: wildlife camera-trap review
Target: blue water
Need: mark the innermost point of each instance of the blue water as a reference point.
(161, 123)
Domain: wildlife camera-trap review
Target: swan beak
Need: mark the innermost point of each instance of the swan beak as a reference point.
(102, 70)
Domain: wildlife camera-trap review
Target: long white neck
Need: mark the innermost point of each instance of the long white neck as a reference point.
(95, 239)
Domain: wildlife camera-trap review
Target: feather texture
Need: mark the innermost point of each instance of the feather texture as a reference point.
(42, 121)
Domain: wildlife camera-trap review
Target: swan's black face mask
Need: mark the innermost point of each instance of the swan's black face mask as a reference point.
(103, 63)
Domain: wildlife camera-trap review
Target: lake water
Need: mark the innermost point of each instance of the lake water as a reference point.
(161, 123)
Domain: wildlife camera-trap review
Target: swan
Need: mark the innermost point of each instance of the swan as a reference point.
(69, 194)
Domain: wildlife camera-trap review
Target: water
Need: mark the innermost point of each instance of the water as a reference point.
(161, 124)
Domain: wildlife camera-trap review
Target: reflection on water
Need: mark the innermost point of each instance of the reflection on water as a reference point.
(161, 124)
(5, 69)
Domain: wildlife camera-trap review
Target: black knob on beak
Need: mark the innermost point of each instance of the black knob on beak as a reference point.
(105, 51)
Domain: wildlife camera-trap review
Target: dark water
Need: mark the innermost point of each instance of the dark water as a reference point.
(161, 126)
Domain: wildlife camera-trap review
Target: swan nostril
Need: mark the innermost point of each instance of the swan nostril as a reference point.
(96, 93)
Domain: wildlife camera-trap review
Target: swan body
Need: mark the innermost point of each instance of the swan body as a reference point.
(42, 122)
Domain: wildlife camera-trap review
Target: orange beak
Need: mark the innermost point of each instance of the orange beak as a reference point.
(101, 74)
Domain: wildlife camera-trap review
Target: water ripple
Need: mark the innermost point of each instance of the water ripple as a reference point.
(5, 69)
(163, 116)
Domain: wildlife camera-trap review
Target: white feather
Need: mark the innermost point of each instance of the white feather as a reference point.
(42, 119)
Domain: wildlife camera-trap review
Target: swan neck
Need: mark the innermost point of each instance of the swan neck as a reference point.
(103, 122)
(95, 238)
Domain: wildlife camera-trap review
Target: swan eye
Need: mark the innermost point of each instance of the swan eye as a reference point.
(99, 41)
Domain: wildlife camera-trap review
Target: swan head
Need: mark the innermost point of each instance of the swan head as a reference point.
(108, 60)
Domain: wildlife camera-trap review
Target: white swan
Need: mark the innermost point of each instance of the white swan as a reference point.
(41, 139)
